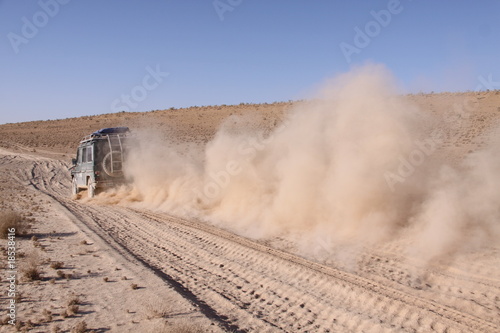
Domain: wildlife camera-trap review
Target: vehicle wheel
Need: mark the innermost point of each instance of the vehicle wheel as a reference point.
(106, 165)
(74, 187)
(90, 188)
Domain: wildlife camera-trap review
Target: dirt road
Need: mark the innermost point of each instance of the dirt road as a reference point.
(248, 286)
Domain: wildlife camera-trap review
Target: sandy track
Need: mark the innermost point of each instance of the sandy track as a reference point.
(247, 286)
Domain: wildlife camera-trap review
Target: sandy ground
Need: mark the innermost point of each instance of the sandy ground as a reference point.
(191, 275)
(101, 278)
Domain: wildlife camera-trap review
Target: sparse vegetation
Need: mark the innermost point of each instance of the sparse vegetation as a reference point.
(11, 219)
(182, 328)
(30, 271)
(72, 310)
(158, 309)
(47, 316)
(57, 265)
(74, 301)
(81, 327)
(134, 286)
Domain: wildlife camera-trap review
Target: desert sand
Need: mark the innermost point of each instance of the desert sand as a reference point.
(166, 261)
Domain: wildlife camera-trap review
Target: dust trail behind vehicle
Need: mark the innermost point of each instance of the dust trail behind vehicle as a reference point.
(331, 175)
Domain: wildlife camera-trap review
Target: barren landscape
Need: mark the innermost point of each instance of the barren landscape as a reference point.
(361, 210)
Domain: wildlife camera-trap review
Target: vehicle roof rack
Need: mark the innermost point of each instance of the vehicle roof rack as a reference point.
(105, 132)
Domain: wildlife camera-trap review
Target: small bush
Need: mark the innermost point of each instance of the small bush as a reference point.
(183, 328)
(31, 273)
(81, 327)
(11, 219)
(57, 265)
(74, 301)
(30, 270)
(158, 309)
(47, 316)
(134, 286)
(72, 310)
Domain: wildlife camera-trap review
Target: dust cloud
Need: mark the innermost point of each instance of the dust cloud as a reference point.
(355, 166)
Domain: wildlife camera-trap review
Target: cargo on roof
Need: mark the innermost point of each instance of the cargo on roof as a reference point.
(111, 130)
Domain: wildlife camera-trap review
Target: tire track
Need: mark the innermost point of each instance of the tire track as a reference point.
(245, 285)
(354, 280)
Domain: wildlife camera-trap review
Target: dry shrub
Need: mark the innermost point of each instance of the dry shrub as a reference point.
(32, 273)
(47, 316)
(30, 270)
(11, 219)
(56, 264)
(182, 327)
(75, 300)
(72, 310)
(158, 309)
(81, 327)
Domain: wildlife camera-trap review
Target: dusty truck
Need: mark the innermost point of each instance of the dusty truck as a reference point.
(99, 160)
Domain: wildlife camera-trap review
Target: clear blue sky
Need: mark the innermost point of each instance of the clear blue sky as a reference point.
(85, 57)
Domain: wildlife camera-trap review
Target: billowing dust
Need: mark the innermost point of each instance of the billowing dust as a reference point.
(355, 166)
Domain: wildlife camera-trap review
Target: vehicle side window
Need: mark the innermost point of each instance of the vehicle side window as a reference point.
(89, 154)
(79, 157)
(84, 154)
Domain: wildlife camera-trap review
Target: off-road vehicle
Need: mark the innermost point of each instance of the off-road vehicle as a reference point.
(99, 160)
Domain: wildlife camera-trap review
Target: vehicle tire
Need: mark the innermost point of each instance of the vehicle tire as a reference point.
(90, 188)
(74, 187)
